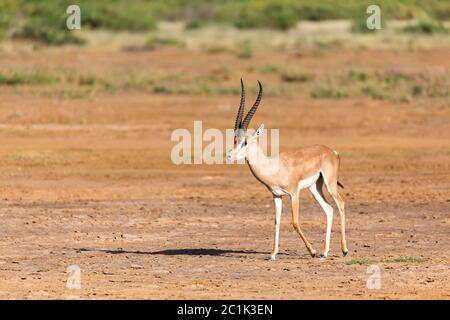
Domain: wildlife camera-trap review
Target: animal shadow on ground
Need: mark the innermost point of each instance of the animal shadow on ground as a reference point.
(195, 252)
(175, 252)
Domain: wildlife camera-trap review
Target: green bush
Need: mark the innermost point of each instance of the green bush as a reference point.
(39, 30)
(328, 92)
(155, 42)
(8, 11)
(296, 77)
(244, 49)
(20, 78)
(357, 75)
(269, 68)
(426, 27)
(45, 20)
(319, 11)
(373, 92)
(270, 15)
(116, 15)
(195, 24)
(359, 24)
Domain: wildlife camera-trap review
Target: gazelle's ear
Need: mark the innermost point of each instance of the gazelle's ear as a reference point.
(259, 131)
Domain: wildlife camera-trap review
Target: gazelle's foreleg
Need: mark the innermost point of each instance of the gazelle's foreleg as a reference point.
(295, 223)
(316, 190)
(278, 207)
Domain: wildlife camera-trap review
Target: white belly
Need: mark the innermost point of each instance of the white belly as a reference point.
(308, 182)
(302, 184)
(279, 192)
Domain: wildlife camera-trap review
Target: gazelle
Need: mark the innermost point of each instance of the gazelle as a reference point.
(311, 167)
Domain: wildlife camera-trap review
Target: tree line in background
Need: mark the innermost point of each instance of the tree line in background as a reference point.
(46, 20)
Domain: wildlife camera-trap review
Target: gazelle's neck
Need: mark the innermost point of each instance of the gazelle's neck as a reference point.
(260, 164)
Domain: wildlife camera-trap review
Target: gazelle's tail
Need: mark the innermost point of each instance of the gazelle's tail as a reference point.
(338, 183)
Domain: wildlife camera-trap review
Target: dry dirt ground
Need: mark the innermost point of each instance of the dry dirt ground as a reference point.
(89, 182)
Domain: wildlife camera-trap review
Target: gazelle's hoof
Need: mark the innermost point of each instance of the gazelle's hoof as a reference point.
(344, 253)
(272, 257)
(323, 255)
(313, 253)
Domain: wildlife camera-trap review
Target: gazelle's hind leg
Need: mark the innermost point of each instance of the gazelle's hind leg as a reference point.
(332, 188)
(295, 223)
(316, 190)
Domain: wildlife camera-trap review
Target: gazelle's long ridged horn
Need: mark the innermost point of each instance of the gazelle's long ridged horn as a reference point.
(252, 111)
(237, 124)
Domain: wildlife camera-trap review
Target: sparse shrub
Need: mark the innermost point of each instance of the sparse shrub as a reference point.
(321, 93)
(283, 18)
(417, 90)
(426, 27)
(20, 78)
(67, 93)
(328, 92)
(373, 93)
(269, 68)
(248, 20)
(407, 259)
(215, 49)
(359, 24)
(219, 74)
(46, 22)
(393, 77)
(8, 13)
(229, 90)
(115, 17)
(296, 77)
(39, 30)
(405, 99)
(87, 80)
(244, 50)
(328, 44)
(136, 84)
(156, 41)
(261, 14)
(319, 11)
(411, 259)
(357, 75)
(195, 24)
(96, 82)
(361, 261)
(438, 88)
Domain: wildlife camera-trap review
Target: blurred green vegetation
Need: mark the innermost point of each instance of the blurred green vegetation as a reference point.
(359, 24)
(427, 26)
(387, 85)
(26, 78)
(405, 259)
(45, 20)
(157, 41)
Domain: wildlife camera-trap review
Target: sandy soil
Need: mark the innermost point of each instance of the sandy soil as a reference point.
(89, 182)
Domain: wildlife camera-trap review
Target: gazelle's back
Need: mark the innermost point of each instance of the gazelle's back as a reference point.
(308, 161)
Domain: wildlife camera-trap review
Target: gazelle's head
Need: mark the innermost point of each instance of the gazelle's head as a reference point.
(242, 138)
